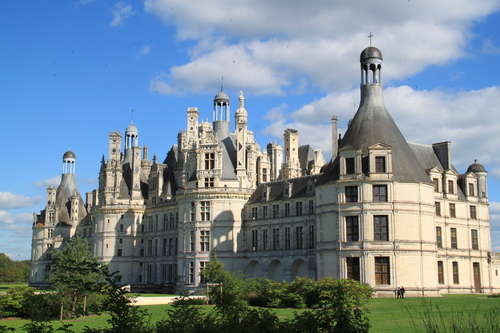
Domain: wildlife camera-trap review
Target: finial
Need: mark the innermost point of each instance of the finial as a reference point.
(370, 36)
(222, 84)
(132, 117)
(475, 160)
(241, 98)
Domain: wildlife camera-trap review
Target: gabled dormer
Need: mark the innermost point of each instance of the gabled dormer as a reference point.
(380, 161)
(450, 184)
(469, 185)
(436, 176)
(350, 163)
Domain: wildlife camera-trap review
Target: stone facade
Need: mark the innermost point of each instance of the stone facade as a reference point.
(383, 211)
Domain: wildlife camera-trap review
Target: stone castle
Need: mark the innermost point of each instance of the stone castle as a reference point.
(382, 211)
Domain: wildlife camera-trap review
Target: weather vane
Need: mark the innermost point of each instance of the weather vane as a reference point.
(370, 36)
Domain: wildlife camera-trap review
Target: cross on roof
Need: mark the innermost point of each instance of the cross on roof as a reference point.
(370, 36)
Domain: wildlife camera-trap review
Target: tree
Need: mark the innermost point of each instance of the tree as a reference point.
(76, 273)
(13, 271)
(228, 288)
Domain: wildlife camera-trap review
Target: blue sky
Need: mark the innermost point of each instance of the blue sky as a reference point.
(72, 71)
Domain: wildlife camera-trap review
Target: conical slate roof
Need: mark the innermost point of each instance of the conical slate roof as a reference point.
(373, 124)
(64, 192)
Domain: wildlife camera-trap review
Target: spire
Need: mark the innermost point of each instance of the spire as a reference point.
(373, 124)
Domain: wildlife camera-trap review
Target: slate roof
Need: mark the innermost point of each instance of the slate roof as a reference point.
(65, 190)
(299, 189)
(373, 124)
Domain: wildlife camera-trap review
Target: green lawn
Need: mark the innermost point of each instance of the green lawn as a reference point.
(4, 286)
(386, 314)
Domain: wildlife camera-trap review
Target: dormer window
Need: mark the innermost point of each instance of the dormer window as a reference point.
(350, 162)
(349, 166)
(450, 187)
(380, 156)
(209, 161)
(380, 164)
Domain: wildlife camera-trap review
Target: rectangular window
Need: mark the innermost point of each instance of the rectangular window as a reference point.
(156, 223)
(440, 272)
(353, 268)
(209, 182)
(204, 240)
(473, 214)
(351, 194)
(379, 192)
(203, 266)
(438, 208)
(205, 210)
(150, 248)
(150, 223)
(352, 228)
(453, 233)
(450, 187)
(455, 272)
(209, 161)
(379, 164)
(255, 240)
(474, 240)
(382, 270)
(311, 237)
(299, 238)
(191, 272)
(287, 238)
(349, 166)
(264, 175)
(381, 229)
(276, 239)
(191, 241)
(453, 212)
(287, 210)
(436, 184)
(165, 222)
(254, 213)
(311, 207)
(265, 240)
(120, 252)
(471, 189)
(276, 211)
(298, 208)
(439, 238)
(264, 212)
(171, 245)
(192, 212)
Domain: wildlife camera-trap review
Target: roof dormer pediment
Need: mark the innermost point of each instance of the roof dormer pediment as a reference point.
(348, 148)
(380, 146)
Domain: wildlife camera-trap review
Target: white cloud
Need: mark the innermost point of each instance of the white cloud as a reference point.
(9, 221)
(16, 234)
(12, 201)
(268, 48)
(54, 181)
(120, 12)
(495, 225)
(144, 51)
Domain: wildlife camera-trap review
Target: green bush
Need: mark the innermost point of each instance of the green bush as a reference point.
(12, 303)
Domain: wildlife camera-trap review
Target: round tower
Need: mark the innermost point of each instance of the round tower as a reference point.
(480, 171)
(221, 115)
(371, 66)
(69, 165)
(131, 136)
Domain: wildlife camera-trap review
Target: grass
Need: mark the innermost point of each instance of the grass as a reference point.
(395, 315)
(386, 314)
(4, 286)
